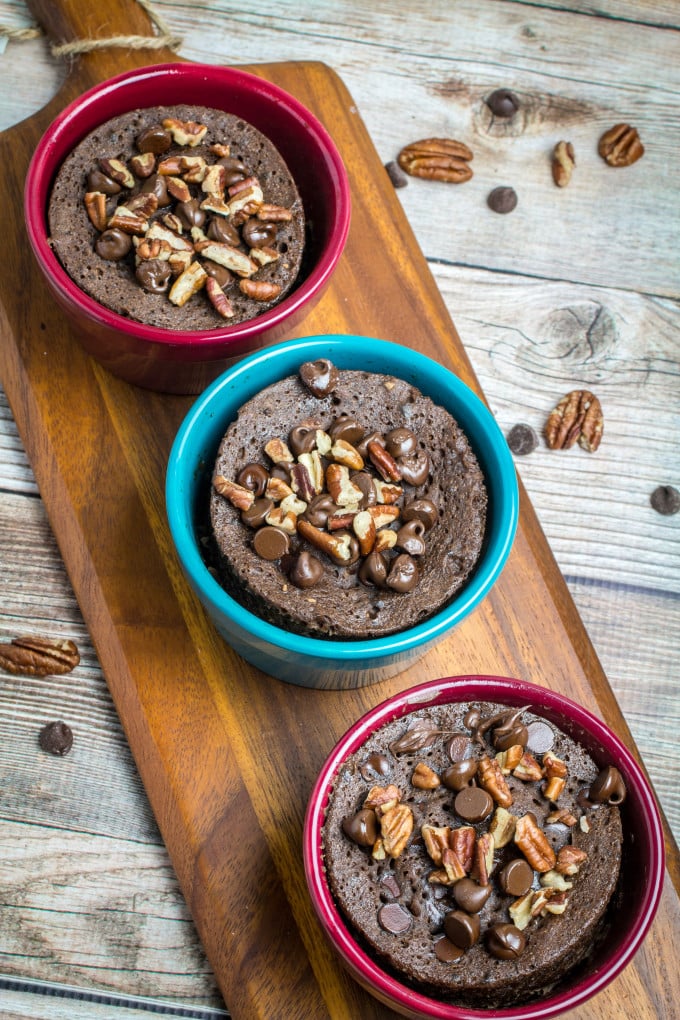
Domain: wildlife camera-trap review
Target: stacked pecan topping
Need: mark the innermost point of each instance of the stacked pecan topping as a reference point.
(493, 849)
(193, 224)
(338, 493)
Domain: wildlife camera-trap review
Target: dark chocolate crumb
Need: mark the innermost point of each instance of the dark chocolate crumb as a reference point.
(522, 439)
(396, 174)
(666, 500)
(56, 738)
(503, 103)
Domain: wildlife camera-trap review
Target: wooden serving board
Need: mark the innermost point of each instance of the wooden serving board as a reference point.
(228, 755)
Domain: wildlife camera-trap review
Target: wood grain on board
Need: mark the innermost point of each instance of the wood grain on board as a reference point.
(227, 755)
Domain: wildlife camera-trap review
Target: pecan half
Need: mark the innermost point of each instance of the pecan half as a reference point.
(396, 826)
(491, 778)
(39, 656)
(578, 416)
(437, 159)
(621, 145)
(533, 843)
(563, 163)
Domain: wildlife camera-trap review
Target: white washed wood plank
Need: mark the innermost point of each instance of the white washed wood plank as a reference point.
(92, 911)
(29, 1000)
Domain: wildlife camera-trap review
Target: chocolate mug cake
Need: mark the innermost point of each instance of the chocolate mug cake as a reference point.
(186, 218)
(345, 504)
(474, 850)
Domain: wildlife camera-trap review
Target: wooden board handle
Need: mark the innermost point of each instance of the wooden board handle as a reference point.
(66, 21)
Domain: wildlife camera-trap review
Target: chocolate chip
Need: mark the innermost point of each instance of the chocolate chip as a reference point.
(254, 477)
(390, 887)
(403, 574)
(460, 774)
(375, 765)
(665, 499)
(301, 439)
(502, 199)
(422, 510)
(445, 950)
(414, 467)
(362, 828)
(113, 244)
(271, 543)
(522, 439)
(410, 538)
(190, 213)
(510, 731)
(393, 918)
(224, 232)
(503, 103)
(473, 804)
(540, 737)
(56, 738)
(470, 895)
(516, 878)
(505, 941)
(400, 442)
(97, 180)
(236, 170)
(306, 571)
(364, 482)
(157, 185)
(396, 174)
(258, 234)
(218, 272)
(256, 514)
(461, 928)
(320, 377)
(347, 428)
(154, 275)
(154, 139)
(374, 569)
(608, 787)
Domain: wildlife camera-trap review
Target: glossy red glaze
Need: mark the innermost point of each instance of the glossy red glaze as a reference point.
(181, 361)
(642, 868)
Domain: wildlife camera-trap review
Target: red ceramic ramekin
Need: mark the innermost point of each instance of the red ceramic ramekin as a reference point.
(642, 869)
(183, 361)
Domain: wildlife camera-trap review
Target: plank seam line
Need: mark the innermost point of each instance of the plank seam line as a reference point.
(48, 988)
(622, 586)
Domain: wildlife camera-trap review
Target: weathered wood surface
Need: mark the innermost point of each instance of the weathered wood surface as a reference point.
(530, 338)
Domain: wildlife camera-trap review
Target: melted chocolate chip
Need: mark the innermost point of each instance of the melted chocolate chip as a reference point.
(271, 543)
(400, 441)
(347, 428)
(301, 439)
(320, 377)
(458, 746)
(258, 234)
(445, 950)
(56, 738)
(608, 787)
(306, 571)
(502, 200)
(218, 272)
(470, 895)
(460, 774)
(364, 482)
(154, 139)
(154, 275)
(255, 515)
(403, 574)
(254, 477)
(375, 765)
(390, 887)
(362, 828)
(97, 180)
(522, 439)
(503, 103)
(473, 804)
(410, 538)
(319, 510)
(374, 569)
(414, 467)
(157, 185)
(113, 244)
(462, 928)
(190, 213)
(393, 918)
(222, 231)
(236, 170)
(516, 878)
(421, 510)
(505, 941)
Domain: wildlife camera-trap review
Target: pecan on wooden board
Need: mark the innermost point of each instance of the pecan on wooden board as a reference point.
(39, 656)
(578, 416)
(437, 159)
(563, 163)
(620, 145)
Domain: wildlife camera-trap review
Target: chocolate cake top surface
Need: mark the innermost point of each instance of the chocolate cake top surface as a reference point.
(112, 281)
(339, 604)
(404, 910)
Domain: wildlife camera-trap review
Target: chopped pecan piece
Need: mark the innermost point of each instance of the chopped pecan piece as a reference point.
(533, 843)
(570, 859)
(491, 778)
(425, 778)
(237, 495)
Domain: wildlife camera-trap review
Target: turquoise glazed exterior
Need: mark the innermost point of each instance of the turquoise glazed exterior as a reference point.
(315, 662)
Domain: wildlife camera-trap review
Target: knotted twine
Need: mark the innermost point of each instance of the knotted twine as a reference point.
(165, 37)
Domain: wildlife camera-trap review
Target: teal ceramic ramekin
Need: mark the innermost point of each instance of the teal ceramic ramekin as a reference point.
(315, 662)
